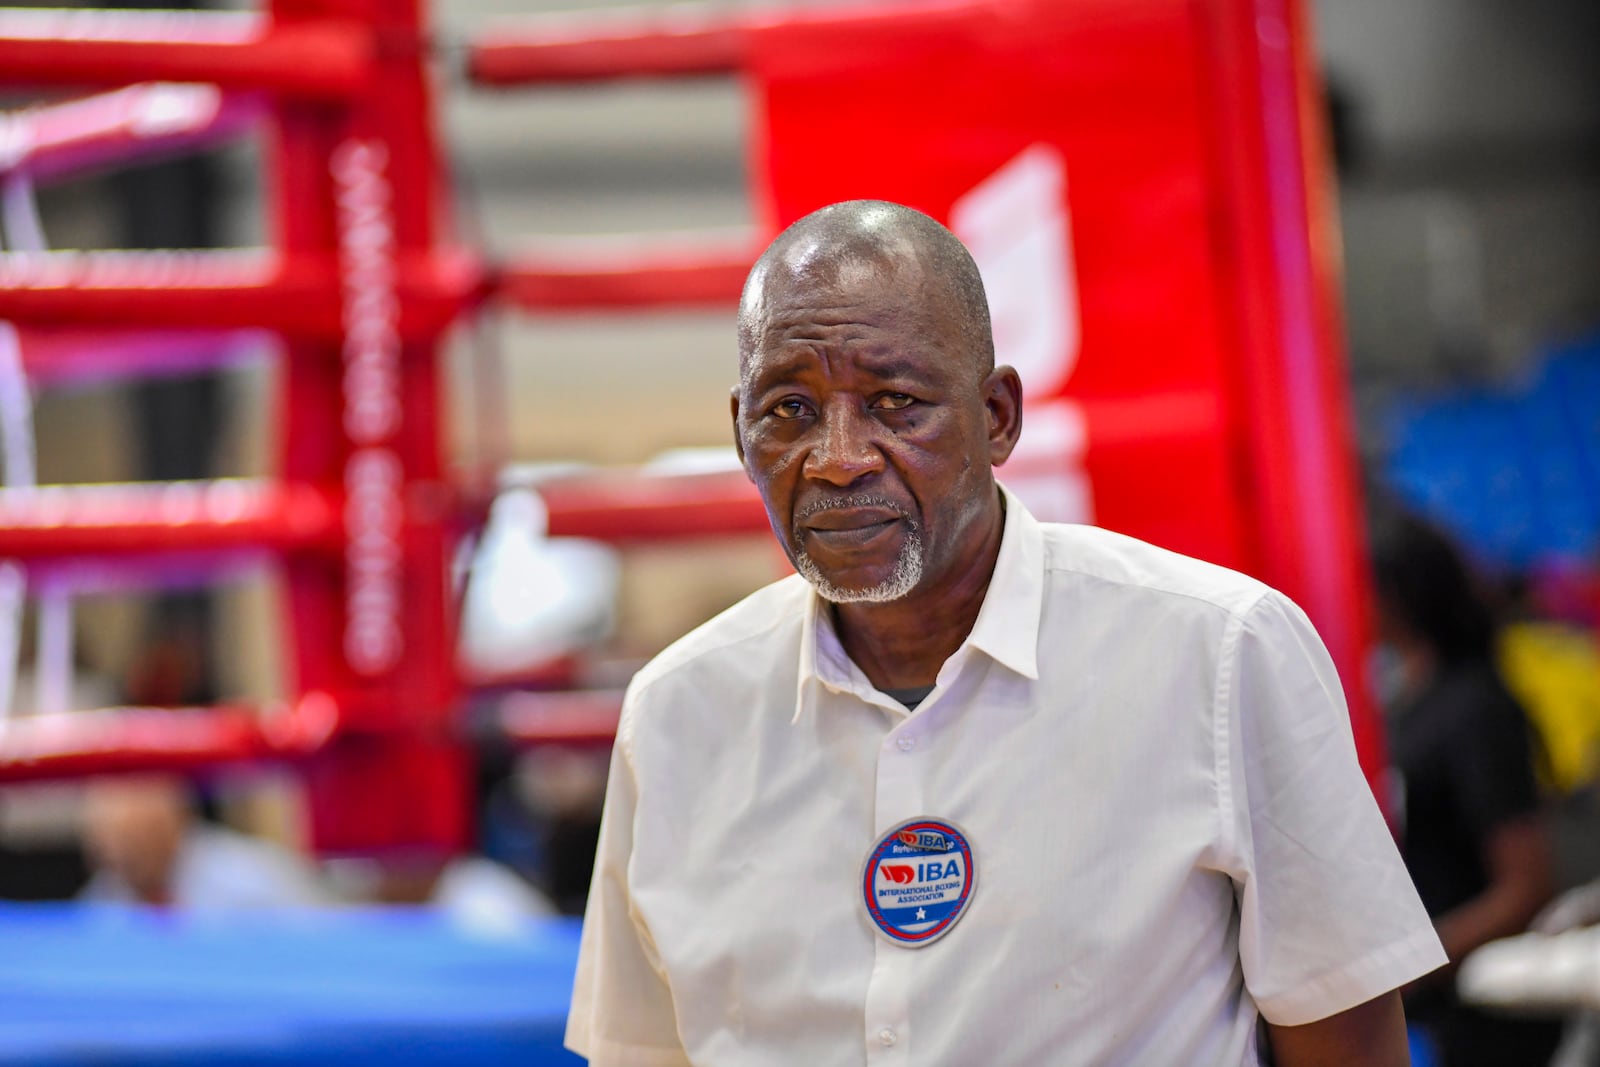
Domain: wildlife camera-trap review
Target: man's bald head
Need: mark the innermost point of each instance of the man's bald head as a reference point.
(827, 246)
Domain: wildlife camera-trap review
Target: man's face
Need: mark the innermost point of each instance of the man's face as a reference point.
(861, 418)
(134, 828)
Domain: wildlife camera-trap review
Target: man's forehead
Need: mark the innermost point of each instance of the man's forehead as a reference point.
(788, 351)
(880, 294)
(794, 347)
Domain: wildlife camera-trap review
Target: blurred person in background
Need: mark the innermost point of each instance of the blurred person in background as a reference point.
(559, 792)
(1471, 827)
(146, 845)
(470, 888)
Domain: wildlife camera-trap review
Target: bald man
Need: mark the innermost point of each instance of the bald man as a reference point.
(969, 788)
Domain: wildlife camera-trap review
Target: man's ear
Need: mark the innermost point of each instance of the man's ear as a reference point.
(1002, 402)
(738, 439)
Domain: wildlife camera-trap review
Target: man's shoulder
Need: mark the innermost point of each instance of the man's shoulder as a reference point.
(1117, 563)
(767, 622)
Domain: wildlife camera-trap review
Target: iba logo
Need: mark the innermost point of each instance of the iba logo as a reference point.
(918, 881)
(925, 840)
(905, 873)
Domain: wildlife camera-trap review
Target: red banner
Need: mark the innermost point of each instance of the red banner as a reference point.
(1138, 186)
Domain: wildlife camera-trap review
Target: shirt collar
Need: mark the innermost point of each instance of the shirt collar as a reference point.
(1007, 628)
(824, 662)
(1008, 623)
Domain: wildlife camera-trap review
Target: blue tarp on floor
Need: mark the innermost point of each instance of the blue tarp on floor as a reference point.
(121, 987)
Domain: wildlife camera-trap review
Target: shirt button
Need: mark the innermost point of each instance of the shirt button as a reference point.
(906, 745)
(886, 1037)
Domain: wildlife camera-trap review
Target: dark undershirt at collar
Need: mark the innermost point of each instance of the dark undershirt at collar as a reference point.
(911, 697)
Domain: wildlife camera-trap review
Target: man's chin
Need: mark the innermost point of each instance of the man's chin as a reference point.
(878, 594)
(883, 588)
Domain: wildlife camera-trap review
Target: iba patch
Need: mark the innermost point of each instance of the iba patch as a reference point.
(918, 880)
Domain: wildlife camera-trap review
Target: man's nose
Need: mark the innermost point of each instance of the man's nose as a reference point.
(846, 448)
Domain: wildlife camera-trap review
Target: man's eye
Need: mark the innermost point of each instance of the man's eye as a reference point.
(893, 402)
(789, 409)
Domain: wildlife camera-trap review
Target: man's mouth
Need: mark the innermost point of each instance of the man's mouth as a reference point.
(843, 528)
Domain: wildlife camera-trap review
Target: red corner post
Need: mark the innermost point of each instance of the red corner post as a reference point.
(360, 184)
(1290, 388)
(1174, 237)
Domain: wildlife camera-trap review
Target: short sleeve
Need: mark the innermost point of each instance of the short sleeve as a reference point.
(621, 1014)
(1328, 916)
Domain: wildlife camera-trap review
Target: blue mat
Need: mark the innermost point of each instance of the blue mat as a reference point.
(358, 988)
(120, 987)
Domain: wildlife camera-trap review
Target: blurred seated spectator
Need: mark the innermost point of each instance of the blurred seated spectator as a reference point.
(563, 790)
(146, 845)
(470, 889)
(1472, 831)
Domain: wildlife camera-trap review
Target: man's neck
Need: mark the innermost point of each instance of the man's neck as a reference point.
(901, 644)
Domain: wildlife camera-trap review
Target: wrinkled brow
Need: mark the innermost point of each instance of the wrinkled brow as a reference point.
(772, 372)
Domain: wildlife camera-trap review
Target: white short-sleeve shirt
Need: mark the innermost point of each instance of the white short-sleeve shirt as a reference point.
(1151, 760)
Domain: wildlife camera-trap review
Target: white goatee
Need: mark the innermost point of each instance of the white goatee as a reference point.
(900, 581)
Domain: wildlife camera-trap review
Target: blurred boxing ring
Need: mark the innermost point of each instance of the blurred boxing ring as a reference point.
(1184, 378)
